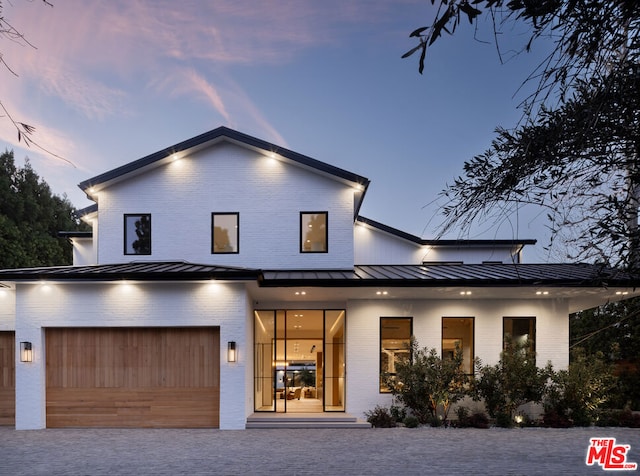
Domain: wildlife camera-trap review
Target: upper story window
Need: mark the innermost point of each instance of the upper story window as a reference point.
(137, 234)
(314, 232)
(225, 233)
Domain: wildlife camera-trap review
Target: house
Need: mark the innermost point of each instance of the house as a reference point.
(227, 278)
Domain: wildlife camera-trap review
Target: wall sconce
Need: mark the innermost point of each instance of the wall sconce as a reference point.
(26, 352)
(231, 351)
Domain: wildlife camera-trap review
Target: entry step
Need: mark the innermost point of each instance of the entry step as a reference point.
(306, 420)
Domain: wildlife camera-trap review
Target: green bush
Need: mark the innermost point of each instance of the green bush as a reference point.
(624, 418)
(475, 420)
(398, 413)
(573, 396)
(411, 422)
(513, 381)
(427, 384)
(380, 417)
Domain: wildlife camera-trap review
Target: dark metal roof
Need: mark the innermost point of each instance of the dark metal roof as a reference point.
(452, 243)
(147, 271)
(481, 275)
(433, 275)
(235, 136)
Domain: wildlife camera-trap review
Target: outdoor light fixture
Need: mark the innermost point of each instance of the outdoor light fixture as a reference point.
(231, 351)
(26, 352)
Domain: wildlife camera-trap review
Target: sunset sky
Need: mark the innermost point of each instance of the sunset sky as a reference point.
(106, 83)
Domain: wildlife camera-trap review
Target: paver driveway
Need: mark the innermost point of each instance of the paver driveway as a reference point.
(401, 451)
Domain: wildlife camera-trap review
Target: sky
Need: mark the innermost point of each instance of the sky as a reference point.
(106, 83)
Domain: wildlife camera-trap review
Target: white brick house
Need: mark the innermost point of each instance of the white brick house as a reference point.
(224, 268)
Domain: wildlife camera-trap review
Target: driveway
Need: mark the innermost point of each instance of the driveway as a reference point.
(399, 451)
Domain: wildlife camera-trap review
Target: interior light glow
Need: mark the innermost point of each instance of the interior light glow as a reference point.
(465, 293)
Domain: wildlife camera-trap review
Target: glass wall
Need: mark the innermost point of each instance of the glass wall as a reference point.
(334, 361)
(299, 360)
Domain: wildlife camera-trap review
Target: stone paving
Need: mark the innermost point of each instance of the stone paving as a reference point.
(401, 451)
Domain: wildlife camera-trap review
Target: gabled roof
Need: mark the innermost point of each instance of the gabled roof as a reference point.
(217, 135)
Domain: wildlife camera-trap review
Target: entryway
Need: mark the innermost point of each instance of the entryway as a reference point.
(299, 361)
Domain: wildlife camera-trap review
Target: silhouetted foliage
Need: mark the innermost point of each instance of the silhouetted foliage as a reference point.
(30, 219)
(613, 330)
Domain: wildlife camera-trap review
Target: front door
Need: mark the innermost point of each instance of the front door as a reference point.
(299, 360)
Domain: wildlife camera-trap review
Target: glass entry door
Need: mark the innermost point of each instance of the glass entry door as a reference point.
(299, 360)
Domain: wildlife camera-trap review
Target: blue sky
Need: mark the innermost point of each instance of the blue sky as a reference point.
(110, 82)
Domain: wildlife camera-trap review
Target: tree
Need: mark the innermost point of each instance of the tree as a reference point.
(588, 36)
(613, 331)
(580, 162)
(31, 217)
(25, 131)
(577, 157)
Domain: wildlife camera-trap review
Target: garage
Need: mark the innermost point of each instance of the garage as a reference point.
(7, 378)
(133, 377)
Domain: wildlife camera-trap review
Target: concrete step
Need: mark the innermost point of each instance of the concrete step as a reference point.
(319, 420)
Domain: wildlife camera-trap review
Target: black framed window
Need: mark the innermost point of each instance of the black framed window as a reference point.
(137, 234)
(457, 332)
(395, 345)
(519, 330)
(314, 232)
(225, 233)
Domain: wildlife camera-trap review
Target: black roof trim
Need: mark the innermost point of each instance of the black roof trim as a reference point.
(147, 271)
(87, 210)
(453, 243)
(75, 234)
(436, 275)
(220, 133)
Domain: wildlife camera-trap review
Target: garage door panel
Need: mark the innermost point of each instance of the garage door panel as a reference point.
(152, 377)
(185, 407)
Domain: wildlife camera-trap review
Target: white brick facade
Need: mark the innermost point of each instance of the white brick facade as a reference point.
(269, 194)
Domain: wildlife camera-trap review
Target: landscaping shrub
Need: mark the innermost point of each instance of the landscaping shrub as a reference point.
(624, 418)
(411, 422)
(427, 384)
(573, 396)
(380, 417)
(513, 381)
(475, 420)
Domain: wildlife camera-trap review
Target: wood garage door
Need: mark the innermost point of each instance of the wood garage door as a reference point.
(152, 377)
(7, 379)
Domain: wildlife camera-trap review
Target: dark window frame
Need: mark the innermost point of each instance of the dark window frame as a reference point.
(237, 251)
(532, 341)
(473, 340)
(326, 231)
(381, 388)
(129, 240)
